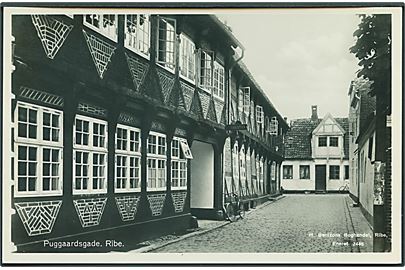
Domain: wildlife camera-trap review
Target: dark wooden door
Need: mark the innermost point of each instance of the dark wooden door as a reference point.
(320, 177)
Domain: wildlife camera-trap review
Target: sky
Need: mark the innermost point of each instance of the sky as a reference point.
(300, 58)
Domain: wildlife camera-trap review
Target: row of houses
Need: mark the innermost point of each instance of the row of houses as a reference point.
(340, 154)
(125, 126)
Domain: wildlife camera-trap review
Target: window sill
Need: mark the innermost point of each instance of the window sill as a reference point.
(179, 188)
(121, 191)
(155, 189)
(99, 31)
(165, 68)
(31, 195)
(104, 191)
(187, 79)
(141, 54)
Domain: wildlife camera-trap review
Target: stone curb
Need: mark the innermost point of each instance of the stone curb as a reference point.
(160, 245)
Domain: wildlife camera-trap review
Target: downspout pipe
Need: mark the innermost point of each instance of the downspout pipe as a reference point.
(230, 80)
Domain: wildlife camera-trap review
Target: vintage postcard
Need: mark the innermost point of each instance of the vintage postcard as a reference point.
(205, 134)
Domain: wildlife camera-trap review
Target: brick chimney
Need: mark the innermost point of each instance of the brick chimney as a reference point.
(314, 115)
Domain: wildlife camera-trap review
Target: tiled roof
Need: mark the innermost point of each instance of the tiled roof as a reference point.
(298, 137)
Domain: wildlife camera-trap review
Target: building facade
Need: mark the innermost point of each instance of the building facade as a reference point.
(316, 154)
(371, 181)
(119, 126)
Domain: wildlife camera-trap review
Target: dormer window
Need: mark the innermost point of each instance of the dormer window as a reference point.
(137, 33)
(166, 43)
(103, 24)
(322, 141)
(333, 141)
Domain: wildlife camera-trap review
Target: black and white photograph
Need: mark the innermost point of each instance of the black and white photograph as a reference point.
(141, 134)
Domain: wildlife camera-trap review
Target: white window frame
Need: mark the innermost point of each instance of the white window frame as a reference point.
(338, 171)
(205, 72)
(129, 154)
(39, 144)
(159, 158)
(188, 57)
(109, 32)
(180, 160)
(273, 128)
(218, 79)
(91, 150)
(292, 172)
(235, 161)
(138, 41)
(168, 62)
(259, 116)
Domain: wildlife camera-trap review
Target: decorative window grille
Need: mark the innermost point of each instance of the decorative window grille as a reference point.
(273, 129)
(206, 67)
(156, 159)
(179, 166)
(137, 33)
(101, 52)
(219, 79)
(41, 96)
(51, 32)
(127, 159)
(187, 58)
(38, 142)
(89, 155)
(105, 24)
(166, 43)
(91, 109)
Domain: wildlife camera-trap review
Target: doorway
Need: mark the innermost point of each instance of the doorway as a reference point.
(202, 176)
(320, 177)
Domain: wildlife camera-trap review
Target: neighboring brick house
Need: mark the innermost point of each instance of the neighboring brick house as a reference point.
(316, 154)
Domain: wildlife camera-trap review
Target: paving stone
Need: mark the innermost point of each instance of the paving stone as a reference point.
(285, 226)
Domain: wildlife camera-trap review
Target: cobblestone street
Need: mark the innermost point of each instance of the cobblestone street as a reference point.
(296, 223)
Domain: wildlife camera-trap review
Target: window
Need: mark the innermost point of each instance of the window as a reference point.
(235, 161)
(334, 141)
(127, 159)
(370, 148)
(156, 160)
(346, 171)
(287, 172)
(244, 99)
(187, 58)
(334, 172)
(259, 115)
(104, 24)
(179, 166)
(137, 33)
(273, 130)
(89, 155)
(304, 172)
(38, 144)
(219, 79)
(322, 141)
(166, 42)
(206, 66)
